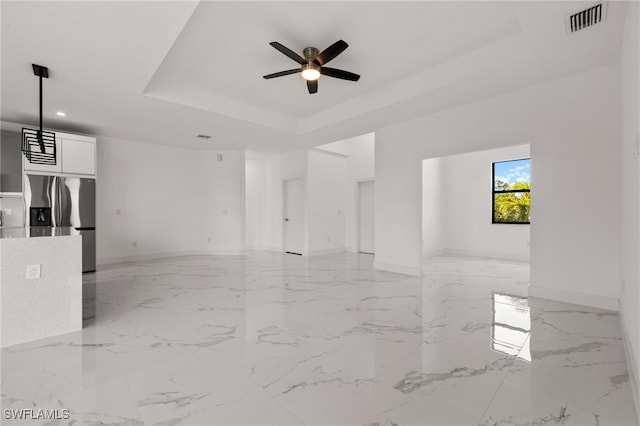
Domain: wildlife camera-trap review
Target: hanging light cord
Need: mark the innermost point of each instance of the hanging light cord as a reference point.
(40, 140)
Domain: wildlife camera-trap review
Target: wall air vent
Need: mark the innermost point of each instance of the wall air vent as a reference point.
(587, 17)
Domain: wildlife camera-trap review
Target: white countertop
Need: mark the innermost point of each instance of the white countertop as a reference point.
(37, 231)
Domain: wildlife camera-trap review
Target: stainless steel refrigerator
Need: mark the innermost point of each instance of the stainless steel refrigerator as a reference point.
(56, 201)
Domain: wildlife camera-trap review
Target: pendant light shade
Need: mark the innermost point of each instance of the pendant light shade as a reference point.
(38, 146)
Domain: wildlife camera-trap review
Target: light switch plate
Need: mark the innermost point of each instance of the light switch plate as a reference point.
(33, 272)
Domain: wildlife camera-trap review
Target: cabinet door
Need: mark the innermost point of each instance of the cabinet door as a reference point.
(57, 168)
(78, 157)
(10, 162)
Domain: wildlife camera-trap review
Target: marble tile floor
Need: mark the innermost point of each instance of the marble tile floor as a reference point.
(271, 339)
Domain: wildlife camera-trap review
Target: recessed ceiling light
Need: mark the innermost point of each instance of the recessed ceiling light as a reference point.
(61, 114)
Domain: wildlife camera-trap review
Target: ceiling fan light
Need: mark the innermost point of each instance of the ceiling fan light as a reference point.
(310, 72)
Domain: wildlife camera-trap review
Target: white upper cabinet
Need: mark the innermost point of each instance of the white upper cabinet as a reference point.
(75, 155)
(78, 157)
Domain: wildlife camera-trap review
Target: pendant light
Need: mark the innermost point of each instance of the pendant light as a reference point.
(38, 146)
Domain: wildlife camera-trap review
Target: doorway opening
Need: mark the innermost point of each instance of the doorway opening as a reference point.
(366, 217)
(293, 208)
(459, 202)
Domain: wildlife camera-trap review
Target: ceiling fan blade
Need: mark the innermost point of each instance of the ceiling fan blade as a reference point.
(331, 52)
(344, 75)
(312, 85)
(282, 73)
(288, 52)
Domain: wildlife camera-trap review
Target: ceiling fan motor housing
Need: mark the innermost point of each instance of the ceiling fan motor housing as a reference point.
(310, 53)
(310, 70)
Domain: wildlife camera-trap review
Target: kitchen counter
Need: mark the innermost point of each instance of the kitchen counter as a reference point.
(37, 231)
(50, 302)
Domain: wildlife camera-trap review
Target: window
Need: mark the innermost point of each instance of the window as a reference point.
(511, 191)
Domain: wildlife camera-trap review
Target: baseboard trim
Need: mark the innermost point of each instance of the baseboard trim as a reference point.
(326, 252)
(415, 271)
(433, 253)
(486, 254)
(576, 298)
(313, 253)
(164, 255)
(631, 361)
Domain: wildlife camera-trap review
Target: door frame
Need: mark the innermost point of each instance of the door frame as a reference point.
(284, 212)
(358, 182)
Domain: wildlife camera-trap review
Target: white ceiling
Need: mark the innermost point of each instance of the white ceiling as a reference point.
(163, 72)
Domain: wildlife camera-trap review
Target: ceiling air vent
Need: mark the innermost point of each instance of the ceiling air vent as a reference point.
(587, 17)
(201, 136)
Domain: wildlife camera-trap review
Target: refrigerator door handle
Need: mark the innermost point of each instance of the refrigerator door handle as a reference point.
(55, 201)
(60, 201)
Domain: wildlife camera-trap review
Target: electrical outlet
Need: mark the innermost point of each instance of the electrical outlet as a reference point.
(33, 272)
(135, 244)
(7, 212)
(118, 212)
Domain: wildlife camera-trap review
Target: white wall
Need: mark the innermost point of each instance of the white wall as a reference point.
(256, 203)
(360, 167)
(338, 147)
(468, 195)
(265, 177)
(168, 201)
(324, 173)
(433, 207)
(331, 187)
(575, 250)
(630, 181)
(224, 199)
(326, 177)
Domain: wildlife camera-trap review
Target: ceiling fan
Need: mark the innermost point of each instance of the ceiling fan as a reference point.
(313, 64)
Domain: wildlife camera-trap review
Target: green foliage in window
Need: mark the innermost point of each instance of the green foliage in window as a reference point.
(513, 207)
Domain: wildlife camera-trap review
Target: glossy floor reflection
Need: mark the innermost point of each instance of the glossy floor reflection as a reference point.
(270, 339)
